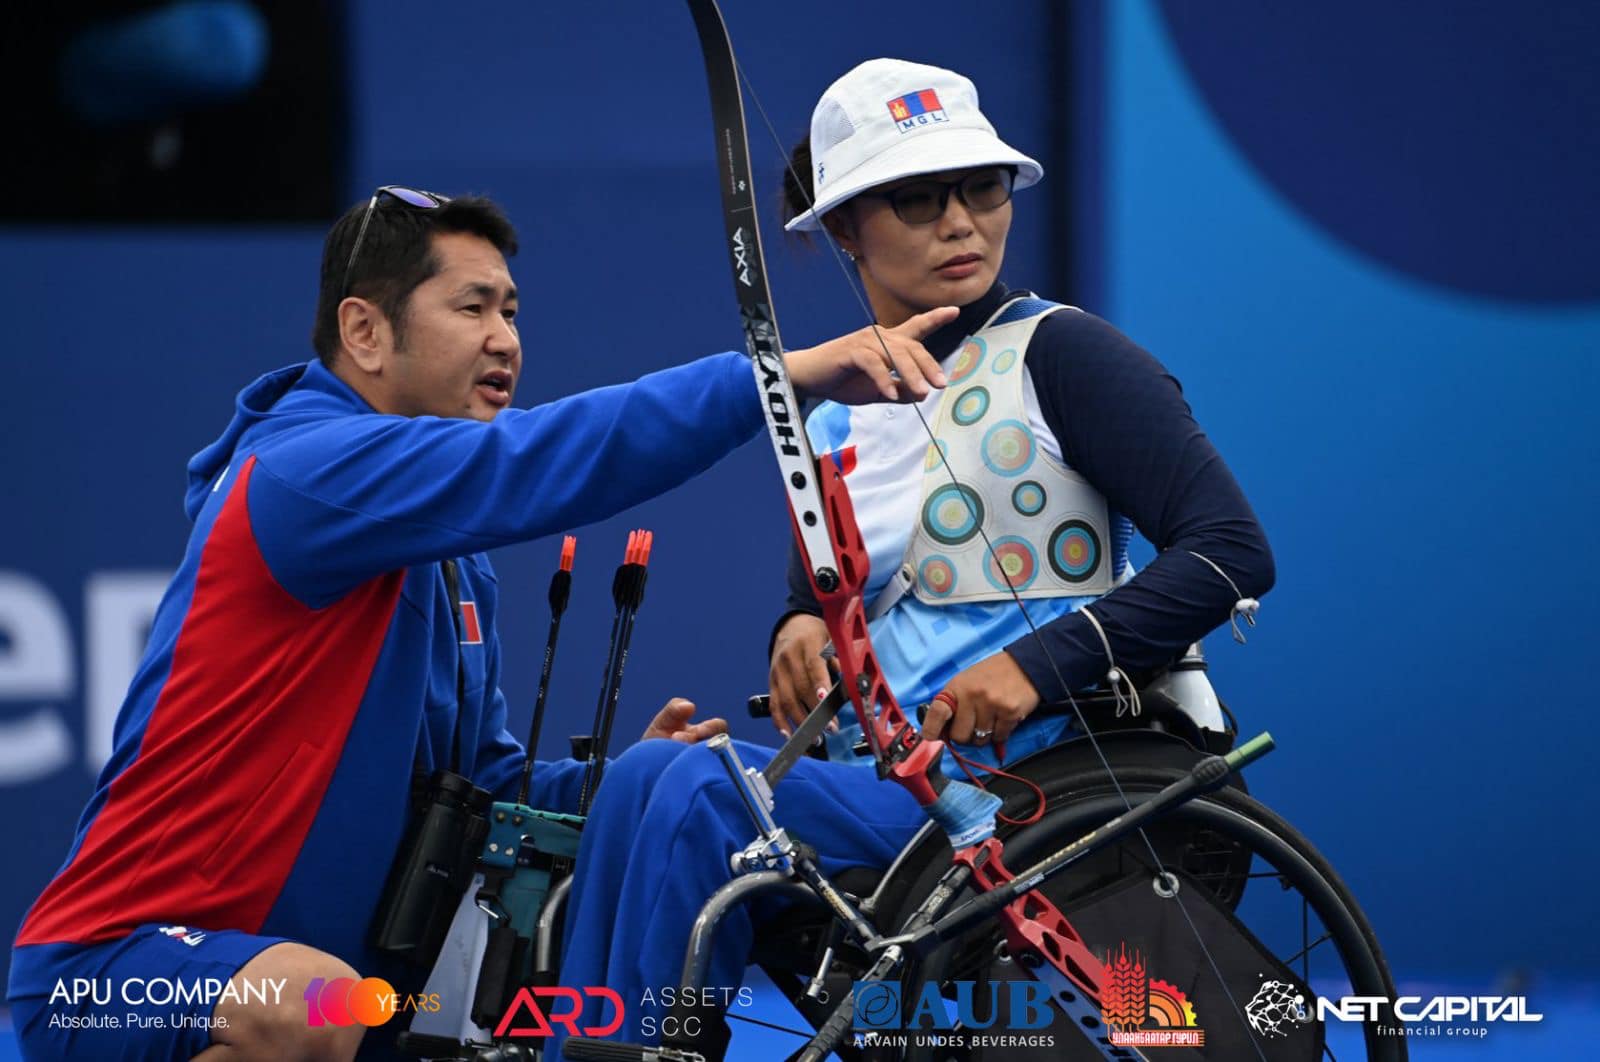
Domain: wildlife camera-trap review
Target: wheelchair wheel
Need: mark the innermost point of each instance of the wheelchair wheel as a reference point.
(1286, 923)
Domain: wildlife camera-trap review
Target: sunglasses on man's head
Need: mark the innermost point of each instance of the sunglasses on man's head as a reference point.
(923, 201)
(411, 197)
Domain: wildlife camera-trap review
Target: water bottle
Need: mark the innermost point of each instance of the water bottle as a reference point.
(1186, 683)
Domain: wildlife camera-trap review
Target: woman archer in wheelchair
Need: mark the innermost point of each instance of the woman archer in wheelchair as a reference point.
(999, 572)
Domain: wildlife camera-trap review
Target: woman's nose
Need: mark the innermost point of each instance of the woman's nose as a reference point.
(956, 219)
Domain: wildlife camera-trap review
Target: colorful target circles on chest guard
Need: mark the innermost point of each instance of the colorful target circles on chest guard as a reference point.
(969, 360)
(970, 406)
(952, 514)
(1074, 551)
(1029, 498)
(938, 576)
(1008, 448)
(1012, 564)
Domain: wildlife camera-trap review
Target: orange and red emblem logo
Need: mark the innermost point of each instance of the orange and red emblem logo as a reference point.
(1143, 1012)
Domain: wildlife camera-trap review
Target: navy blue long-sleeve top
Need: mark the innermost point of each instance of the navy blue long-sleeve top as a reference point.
(1122, 422)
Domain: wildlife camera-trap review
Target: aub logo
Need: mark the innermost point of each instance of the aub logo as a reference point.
(879, 1005)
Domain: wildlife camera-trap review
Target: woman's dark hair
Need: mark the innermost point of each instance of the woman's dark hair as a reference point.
(396, 255)
(797, 190)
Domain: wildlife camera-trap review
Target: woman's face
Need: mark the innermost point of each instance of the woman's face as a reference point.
(911, 267)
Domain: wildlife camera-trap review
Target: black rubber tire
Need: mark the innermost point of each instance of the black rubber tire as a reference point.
(1080, 799)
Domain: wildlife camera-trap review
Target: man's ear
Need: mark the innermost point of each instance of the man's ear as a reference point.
(362, 332)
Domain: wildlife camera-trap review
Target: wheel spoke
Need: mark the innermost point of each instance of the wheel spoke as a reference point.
(1305, 949)
(1326, 936)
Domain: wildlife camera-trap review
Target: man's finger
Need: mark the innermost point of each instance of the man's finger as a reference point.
(710, 728)
(673, 714)
(936, 719)
(670, 719)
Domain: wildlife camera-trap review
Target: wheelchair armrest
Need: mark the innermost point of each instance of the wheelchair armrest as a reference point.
(1157, 711)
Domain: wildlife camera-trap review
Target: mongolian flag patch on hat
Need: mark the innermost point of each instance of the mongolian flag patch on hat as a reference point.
(917, 109)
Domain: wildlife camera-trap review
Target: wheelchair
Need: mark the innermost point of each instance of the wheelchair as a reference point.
(1281, 927)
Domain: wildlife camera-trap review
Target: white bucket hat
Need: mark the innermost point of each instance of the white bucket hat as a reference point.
(889, 119)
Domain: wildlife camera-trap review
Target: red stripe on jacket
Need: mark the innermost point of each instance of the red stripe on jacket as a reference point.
(205, 825)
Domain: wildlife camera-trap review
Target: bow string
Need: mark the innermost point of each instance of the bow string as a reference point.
(834, 555)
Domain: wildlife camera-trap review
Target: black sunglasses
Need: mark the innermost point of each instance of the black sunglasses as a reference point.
(411, 197)
(920, 202)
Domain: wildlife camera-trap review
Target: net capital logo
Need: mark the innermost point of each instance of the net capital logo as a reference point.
(1431, 1008)
(1279, 1007)
(1276, 1008)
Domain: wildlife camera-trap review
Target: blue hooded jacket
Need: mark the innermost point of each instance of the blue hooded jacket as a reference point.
(304, 658)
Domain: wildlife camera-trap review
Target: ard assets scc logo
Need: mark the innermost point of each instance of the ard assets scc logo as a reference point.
(537, 1022)
(1143, 1012)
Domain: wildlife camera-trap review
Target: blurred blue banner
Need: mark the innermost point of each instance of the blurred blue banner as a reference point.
(1383, 300)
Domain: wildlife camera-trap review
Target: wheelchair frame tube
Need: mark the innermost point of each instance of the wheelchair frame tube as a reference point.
(1207, 775)
(544, 948)
(697, 958)
(870, 904)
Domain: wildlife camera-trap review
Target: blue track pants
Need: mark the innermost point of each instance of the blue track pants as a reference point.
(657, 845)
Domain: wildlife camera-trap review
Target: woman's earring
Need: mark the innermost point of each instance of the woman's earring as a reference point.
(852, 256)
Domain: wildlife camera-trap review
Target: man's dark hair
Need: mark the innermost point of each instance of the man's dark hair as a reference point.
(396, 255)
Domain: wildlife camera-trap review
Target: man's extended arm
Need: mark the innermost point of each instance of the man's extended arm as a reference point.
(340, 502)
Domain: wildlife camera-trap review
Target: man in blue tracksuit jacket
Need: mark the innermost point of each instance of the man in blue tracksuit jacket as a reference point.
(304, 661)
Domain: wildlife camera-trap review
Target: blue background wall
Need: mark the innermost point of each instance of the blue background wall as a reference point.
(1366, 244)
(1364, 237)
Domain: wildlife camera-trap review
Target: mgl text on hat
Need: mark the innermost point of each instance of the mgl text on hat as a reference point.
(916, 109)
